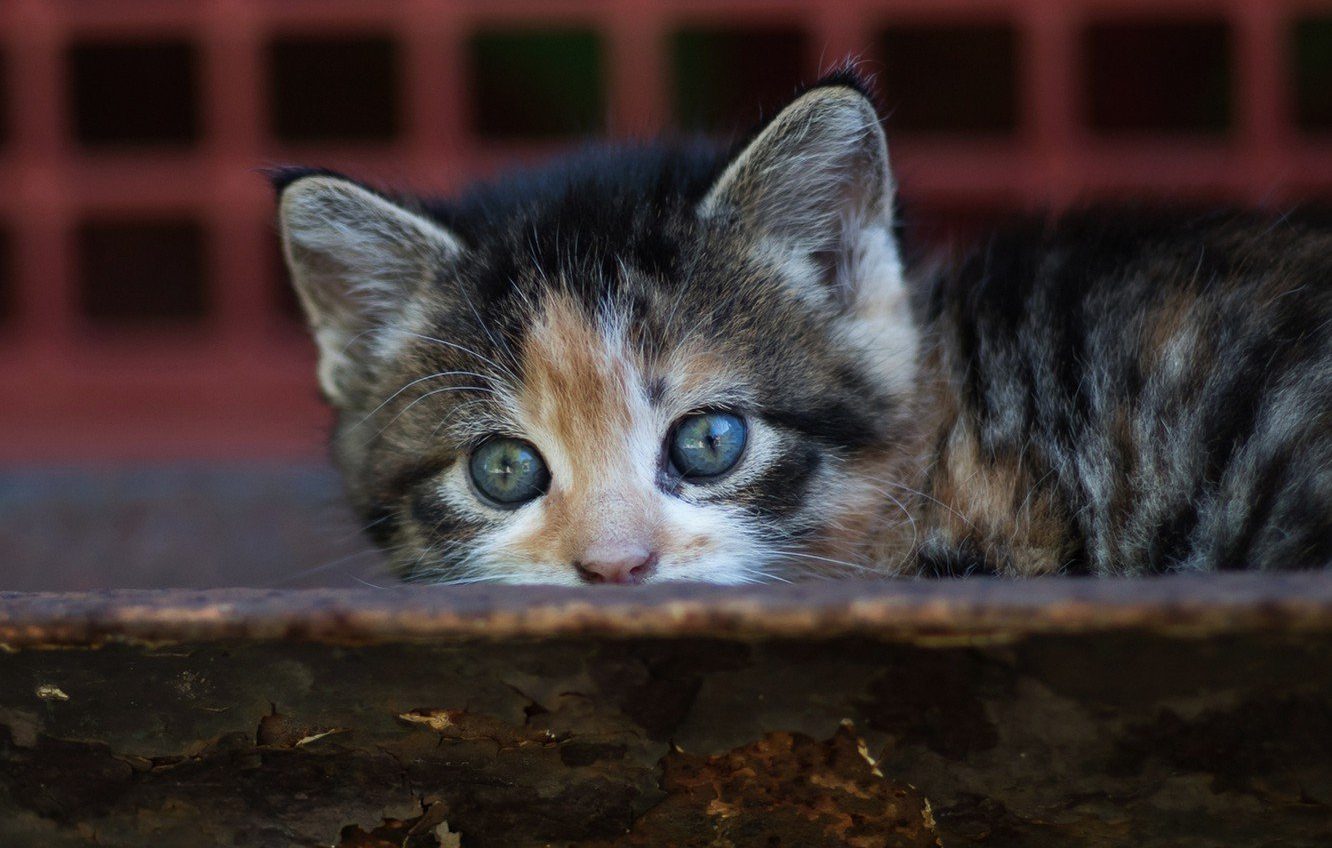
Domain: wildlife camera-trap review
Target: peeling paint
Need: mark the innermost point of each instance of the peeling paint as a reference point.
(51, 692)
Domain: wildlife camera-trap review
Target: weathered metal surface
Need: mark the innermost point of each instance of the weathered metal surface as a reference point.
(1173, 712)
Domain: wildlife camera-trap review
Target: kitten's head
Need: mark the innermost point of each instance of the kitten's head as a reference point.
(650, 364)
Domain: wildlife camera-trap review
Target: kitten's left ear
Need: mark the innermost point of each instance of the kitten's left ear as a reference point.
(815, 185)
(357, 261)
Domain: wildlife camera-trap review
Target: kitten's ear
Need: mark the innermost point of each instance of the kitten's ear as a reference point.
(356, 260)
(815, 184)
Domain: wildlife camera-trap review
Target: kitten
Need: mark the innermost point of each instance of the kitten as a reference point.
(674, 362)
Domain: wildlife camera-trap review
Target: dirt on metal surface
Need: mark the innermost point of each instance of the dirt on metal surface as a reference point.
(1173, 712)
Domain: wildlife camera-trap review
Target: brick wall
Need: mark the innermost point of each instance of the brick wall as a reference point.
(142, 310)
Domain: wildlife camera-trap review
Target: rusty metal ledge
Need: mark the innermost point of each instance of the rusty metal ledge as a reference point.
(901, 609)
(1182, 712)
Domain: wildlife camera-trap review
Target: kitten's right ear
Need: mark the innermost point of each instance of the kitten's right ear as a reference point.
(356, 260)
(815, 185)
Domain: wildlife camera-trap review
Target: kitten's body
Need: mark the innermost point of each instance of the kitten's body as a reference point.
(1125, 391)
(1093, 398)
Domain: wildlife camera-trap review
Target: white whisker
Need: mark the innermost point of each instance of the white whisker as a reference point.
(407, 386)
(504, 369)
(838, 562)
(429, 394)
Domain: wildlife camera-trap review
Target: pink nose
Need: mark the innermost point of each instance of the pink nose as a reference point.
(624, 566)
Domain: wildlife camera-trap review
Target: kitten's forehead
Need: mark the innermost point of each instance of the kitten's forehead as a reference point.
(582, 387)
(583, 402)
(589, 375)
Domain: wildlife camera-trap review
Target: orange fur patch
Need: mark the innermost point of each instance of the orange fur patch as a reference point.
(577, 388)
(582, 401)
(996, 504)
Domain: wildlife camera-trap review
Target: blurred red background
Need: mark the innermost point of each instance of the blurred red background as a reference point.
(143, 313)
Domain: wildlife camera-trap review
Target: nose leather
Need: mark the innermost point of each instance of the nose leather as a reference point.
(624, 565)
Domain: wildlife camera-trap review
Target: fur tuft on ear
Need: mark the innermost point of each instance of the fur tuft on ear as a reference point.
(815, 186)
(846, 75)
(356, 260)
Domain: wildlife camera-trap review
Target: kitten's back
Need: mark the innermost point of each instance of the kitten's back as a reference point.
(1138, 392)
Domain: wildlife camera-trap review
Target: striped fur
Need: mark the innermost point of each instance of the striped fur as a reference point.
(1112, 393)
(1134, 392)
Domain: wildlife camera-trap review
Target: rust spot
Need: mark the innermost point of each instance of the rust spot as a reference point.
(785, 790)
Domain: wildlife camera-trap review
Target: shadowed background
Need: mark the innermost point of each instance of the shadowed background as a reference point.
(159, 424)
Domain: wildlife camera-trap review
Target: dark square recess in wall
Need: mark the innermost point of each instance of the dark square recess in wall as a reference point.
(126, 94)
(1312, 73)
(530, 83)
(729, 79)
(1159, 77)
(142, 271)
(334, 88)
(950, 79)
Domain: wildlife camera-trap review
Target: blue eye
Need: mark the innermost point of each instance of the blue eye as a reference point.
(508, 471)
(707, 444)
